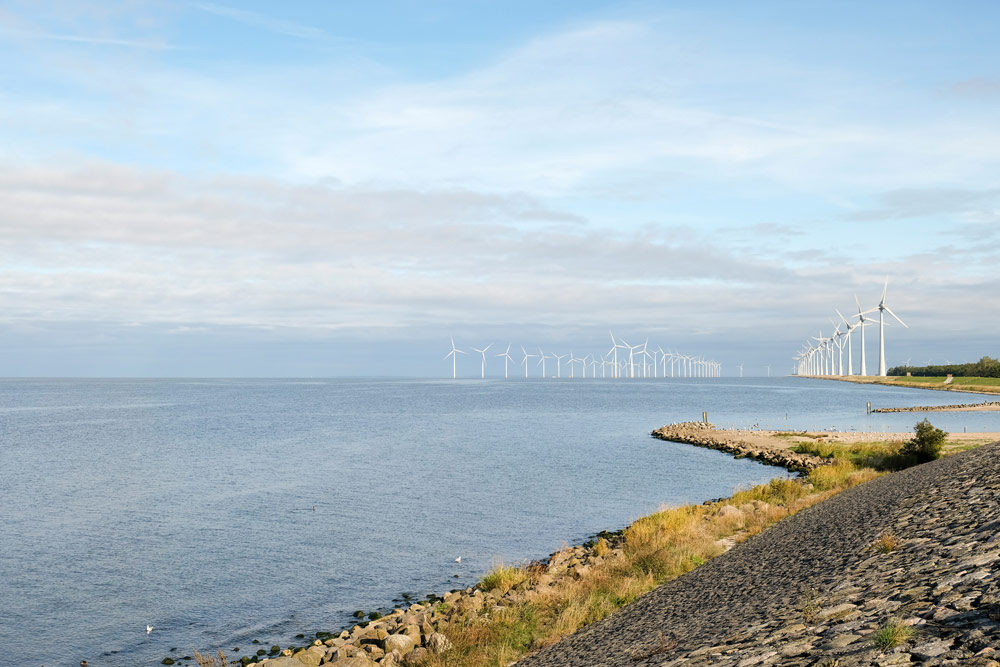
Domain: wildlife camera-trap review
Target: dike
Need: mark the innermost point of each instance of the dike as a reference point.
(958, 407)
(901, 570)
(703, 434)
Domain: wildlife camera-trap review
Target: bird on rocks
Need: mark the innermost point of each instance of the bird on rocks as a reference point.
(149, 628)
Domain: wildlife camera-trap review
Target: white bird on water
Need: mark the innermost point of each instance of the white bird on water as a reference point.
(149, 628)
(458, 560)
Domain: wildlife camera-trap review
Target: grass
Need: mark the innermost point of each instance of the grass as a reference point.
(502, 578)
(887, 543)
(892, 634)
(651, 551)
(880, 456)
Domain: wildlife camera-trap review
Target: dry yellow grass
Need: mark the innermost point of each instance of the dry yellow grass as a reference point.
(656, 548)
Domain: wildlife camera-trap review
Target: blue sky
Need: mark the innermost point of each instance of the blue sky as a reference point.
(322, 188)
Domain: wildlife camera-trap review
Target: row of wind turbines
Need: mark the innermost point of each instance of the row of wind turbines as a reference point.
(635, 362)
(825, 356)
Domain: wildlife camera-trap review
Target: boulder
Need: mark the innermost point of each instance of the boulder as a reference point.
(402, 643)
(355, 661)
(311, 657)
(416, 656)
(437, 643)
(283, 661)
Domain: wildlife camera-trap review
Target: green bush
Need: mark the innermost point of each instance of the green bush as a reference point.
(926, 443)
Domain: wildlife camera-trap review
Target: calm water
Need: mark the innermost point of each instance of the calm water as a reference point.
(225, 510)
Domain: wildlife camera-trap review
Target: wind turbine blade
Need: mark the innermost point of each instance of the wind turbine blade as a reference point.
(896, 316)
(884, 288)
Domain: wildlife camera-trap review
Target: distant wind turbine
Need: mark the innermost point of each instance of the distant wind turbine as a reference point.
(506, 358)
(454, 355)
(483, 352)
(524, 362)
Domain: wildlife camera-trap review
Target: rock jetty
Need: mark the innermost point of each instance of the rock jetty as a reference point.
(988, 405)
(703, 434)
(902, 570)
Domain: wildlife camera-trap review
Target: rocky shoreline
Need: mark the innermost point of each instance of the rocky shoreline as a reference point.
(901, 570)
(410, 636)
(703, 434)
(958, 407)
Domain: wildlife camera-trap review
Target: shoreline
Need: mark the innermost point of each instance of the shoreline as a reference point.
(898, 381)
(420, 633)
(988, 406)
(425, 624)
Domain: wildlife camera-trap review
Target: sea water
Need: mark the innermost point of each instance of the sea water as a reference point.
(222, 511)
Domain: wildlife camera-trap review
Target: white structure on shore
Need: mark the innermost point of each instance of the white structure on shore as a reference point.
(819, 359)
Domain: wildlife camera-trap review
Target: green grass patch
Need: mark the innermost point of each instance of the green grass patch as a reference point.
(881, 456)
(892, 634)
(502, 578)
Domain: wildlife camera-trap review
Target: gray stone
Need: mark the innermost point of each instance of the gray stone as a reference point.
(932, 649)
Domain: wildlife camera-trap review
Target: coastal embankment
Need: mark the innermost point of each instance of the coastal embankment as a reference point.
(958, 407)
(963, 385)
(707, 584)
(901, 570)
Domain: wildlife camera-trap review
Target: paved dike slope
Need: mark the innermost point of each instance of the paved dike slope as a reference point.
(814, 589)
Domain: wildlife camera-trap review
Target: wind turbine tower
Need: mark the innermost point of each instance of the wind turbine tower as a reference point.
(483, 353)
(882, 310)
(454, 355)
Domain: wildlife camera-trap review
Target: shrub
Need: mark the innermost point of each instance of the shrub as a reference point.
(887, 543)
(926, 443)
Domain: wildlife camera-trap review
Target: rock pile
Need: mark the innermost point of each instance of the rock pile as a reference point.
(408, 637)
(703, 434)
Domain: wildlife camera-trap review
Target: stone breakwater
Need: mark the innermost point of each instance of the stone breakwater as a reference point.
(945, 408)
(411, 636)
(902, 570)
(703, 434)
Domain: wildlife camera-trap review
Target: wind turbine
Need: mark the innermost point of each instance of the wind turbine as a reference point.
(572, 360)
(483, 352)
(506, 357)
(454, 355)
(769, 370)
(741, 369)
(861, 322)
(524, 362)
(882, 309)
(614, 351)
(559, 358)
(541, 361)
(850, 354)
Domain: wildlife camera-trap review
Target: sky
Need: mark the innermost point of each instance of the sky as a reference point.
(316, 189)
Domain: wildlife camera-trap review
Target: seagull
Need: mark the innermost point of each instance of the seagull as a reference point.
(458, 560)
(149, 628)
